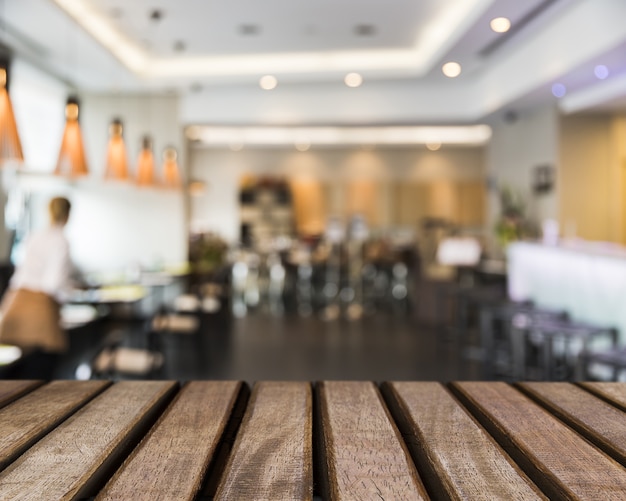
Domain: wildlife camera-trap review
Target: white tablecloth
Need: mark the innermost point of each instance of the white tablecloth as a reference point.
(586, 280)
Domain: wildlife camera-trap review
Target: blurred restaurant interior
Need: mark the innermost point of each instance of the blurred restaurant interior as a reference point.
(398, 190)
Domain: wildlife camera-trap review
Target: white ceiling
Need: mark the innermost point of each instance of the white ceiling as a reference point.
(213, 52)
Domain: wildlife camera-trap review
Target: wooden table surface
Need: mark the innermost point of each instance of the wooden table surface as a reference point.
(161, 440)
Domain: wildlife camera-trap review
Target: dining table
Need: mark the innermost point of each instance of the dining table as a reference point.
(311, 440)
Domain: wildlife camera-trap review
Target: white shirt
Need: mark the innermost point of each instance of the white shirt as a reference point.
(46, 265)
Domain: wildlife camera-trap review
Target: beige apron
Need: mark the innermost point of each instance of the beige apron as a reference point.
(31, 320)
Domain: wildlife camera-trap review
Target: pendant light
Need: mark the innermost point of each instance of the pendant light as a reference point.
(117, 163)
(72, 161)
(145, 164)
(171, 174)
(10, 145)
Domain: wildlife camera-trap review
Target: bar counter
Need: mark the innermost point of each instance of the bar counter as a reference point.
(299, 440)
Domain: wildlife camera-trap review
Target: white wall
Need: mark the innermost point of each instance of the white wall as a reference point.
(517, 146)
(218, 209)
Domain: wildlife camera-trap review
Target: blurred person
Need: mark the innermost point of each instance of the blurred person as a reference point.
(30, 311)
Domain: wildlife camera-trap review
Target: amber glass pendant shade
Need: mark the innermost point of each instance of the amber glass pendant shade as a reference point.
(171, 174)
(117, 163)
(10, 145)
(145, 165)
(72, 161)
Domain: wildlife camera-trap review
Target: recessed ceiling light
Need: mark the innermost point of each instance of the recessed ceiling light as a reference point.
(500, 24)
(268, 82)
(601, 71)
(353, 80)
(433, 146)
(249, 29)
(156, 14)
(365, 30)
(451, 69)
(559, 90)
(303, 146)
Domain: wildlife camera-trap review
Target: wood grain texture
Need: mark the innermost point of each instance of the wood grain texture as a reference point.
(600, 422)
(457, 458)
(364, 456)
(562, 463)
(26, 420)
(11, 390)
(272, 455)
(68, 462)
(615, 393)
(171, 462)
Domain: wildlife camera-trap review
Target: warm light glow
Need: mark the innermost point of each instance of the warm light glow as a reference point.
(286, 136)
(303, 146)
(117, 163)
(171, 174)
(72, 161)
(433, 146)
(196, 188)
(353, 80)
(10, 145)
(451, 69)
(416, 60)
(268, 82)
(500, 24)
(145, 165)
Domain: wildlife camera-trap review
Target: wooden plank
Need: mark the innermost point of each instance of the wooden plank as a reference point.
(612, 392)
(11, 390)
(272, 455)
(598, 421)
(562, 463)
(364, 456)
(171, 462)
(457, 458)
(75, 459)
(25, 421)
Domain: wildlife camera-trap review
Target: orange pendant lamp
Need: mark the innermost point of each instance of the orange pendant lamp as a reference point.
(10, 145)
(171, 174)
(117, 163)
(145, 164)
(72, 160)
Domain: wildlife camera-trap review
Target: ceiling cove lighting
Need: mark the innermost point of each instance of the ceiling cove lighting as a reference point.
(10, 145)
(416, 60)
(145, 164)
(500, 24)
(117, 163)
(72, 161)
(218, 136)
(451, 69)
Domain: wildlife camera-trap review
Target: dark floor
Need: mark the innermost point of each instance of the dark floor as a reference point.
(382, 346)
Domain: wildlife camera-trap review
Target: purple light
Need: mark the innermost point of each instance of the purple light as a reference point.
(601, 71)
(558, 90)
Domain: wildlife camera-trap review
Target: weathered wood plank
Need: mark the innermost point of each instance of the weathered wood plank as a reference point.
(363, 456)
(26, 420)
(457, 458)
(71, 461)
(172, 460)
(272, 455)
(613, 392)
(600, 422)
(13, 389)
(562, 463)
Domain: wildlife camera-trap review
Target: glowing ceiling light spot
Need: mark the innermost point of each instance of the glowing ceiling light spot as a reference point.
(559, 90)
(451, 69)
(601, 71)
(353, 80)
(433, 146)
(268, 82)
(500, 24)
